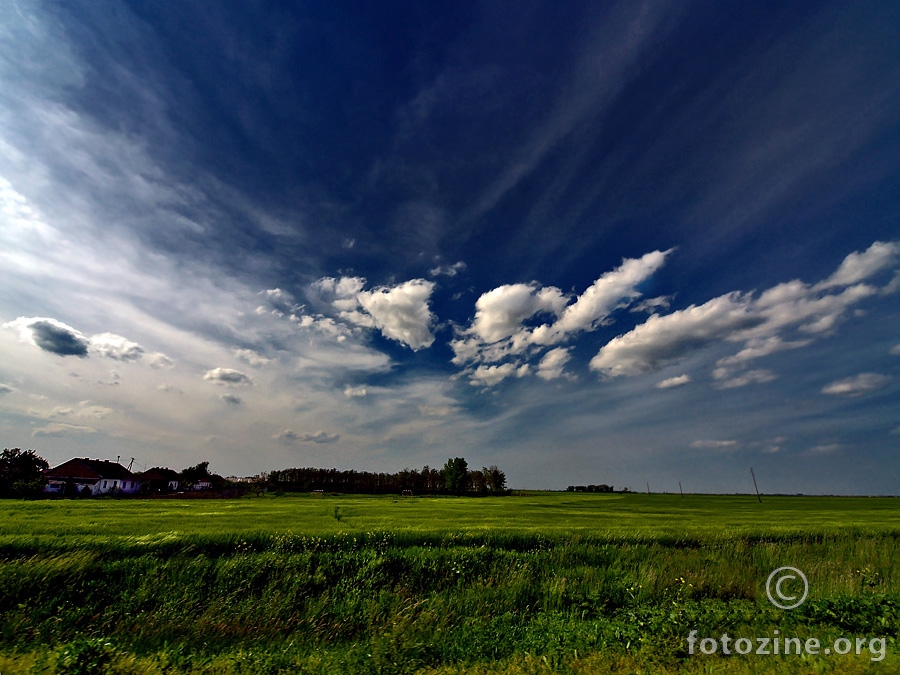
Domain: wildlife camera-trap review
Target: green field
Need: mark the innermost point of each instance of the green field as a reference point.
(532, 583)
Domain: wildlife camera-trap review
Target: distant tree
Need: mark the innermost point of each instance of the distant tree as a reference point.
(477, 481)
(495, 478)
(456, 475)
(21, 473)
(194, 474)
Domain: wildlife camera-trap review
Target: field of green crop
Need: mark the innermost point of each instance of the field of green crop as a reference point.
(532, 583)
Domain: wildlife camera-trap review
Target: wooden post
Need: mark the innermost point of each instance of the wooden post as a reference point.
(754, 485)
(679, 489)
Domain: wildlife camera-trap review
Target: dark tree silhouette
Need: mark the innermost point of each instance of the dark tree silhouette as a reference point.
(21, 473)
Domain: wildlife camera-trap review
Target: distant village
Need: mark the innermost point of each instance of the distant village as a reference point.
(28, 475)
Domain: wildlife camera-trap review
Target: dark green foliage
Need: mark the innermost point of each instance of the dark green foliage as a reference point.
(21, 473)
(456, 475)
(85, 656)
(377, 602)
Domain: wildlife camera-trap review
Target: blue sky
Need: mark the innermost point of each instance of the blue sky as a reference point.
(591, 243)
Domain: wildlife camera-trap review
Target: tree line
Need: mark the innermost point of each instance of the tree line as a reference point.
(21, 475)
(454, 478)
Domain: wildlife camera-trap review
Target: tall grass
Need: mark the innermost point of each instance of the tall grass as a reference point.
(528, 600)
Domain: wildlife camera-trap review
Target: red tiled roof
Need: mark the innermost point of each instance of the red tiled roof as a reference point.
(90, 469)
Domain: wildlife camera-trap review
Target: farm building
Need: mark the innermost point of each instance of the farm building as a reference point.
(159, 480)
(81, 476)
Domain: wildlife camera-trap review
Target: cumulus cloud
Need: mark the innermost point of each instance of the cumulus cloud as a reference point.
(231, 399)
(5, 389)
(158, 360)
(551, 366)
(289, 437)
(116, 347)
(488, 376)
(227, 376)
(355, 392)
(662, 340)
(251, 357)
(58, 338)
(811, 310)
(58, 429)
(499, 313)
(895, 350)
(858, 385)
(170, 389)
(51, 335)
(279, 303)
(402, 312)
(511, 321)
(857, 266)
(672, 382)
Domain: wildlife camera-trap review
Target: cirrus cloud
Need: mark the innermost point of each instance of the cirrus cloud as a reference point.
(857, 385)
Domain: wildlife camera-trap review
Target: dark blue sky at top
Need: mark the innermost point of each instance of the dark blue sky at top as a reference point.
(531, 141)
(312, 110)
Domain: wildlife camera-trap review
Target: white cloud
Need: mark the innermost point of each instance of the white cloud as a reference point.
(57, 429)
(230, 399)
(715, 445)
(227, 376)
(5, 389)
(498, 330)
(737, 317)
(355, 392)
(756, 348)
(447, 270)
(857, 267)
(729, 381)
(551, 366)
(499, 313)
(158, 360)
(116, 347)
(672, 382)
(84, 409)
(611, 291)
(402, 312)
(289, 437)
(490, 375)
(858, 385)
(665, 339)
(895, 350)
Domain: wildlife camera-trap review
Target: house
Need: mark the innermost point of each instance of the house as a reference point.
(82, 476)
(159, 480)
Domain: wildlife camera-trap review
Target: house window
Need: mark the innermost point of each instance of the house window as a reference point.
(104, 483)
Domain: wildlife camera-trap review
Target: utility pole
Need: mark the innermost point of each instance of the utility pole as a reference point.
(648, 488)
(754, 485)
(679, 489)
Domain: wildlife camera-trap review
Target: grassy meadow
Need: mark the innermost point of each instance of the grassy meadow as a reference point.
(532, 583)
